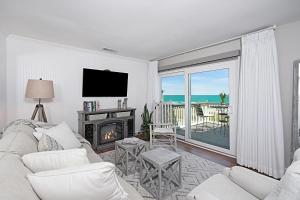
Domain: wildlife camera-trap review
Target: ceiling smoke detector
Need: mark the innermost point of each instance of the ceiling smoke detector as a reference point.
(109, 50)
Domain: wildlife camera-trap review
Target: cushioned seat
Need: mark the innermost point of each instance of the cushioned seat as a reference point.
(220, 187)
(162, 130)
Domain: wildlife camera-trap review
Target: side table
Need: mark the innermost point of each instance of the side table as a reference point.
(127, 155)
(160, 172)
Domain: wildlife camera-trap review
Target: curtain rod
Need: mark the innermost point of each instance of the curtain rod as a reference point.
(214, 44)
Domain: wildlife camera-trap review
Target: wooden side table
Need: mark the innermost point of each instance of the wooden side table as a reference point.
(127, 154)
(160, 172)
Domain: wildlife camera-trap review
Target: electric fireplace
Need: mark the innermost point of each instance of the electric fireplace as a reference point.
(109, 132)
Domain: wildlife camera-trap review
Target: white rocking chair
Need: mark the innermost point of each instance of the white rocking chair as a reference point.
(163, 130)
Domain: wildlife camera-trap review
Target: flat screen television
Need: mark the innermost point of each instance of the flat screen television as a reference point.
(104, 83)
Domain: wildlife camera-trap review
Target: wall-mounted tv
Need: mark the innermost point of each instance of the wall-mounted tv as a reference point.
(104, 83)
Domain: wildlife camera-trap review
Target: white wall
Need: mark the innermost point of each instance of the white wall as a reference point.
(288, 44)
(32, 59)
(2, 81)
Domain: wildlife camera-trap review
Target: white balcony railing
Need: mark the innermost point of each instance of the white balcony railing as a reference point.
(175, 113)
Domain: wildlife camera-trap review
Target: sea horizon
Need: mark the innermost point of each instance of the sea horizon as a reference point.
(195, 99)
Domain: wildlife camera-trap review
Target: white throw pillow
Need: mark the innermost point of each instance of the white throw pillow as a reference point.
(50, 160)
(47, 143)
(63, 134)
(89, 182)
(38, 135)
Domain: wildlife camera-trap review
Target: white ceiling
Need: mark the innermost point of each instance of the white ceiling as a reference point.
(143, 29)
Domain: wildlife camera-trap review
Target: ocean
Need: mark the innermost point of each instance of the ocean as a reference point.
(195, 99)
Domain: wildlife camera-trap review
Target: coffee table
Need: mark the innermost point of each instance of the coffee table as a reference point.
(160, 172)
(127, 154)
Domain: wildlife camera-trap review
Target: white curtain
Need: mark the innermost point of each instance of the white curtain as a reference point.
(260, 142)
(153, 95)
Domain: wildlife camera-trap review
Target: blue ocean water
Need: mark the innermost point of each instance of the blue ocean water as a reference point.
(195, 98)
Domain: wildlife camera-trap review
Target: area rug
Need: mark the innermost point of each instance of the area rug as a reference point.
(195, 170)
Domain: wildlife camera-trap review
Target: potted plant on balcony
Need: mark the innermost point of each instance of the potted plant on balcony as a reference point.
(222, 96)
(147, 120)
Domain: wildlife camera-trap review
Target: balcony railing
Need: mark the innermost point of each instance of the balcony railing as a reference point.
(211, 110)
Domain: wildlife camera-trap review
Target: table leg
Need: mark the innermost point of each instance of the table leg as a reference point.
(159, 184)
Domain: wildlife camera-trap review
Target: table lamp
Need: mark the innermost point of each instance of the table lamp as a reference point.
(39, 89)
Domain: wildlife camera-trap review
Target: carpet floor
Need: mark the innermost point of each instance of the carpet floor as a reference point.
(195, 170)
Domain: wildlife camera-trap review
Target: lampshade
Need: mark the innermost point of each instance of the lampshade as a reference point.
(39, 89)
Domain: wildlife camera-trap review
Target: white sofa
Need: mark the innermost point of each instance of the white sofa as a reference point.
(17, 141)
(239, 183)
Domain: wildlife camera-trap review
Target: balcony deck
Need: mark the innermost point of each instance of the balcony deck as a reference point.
(212, 131)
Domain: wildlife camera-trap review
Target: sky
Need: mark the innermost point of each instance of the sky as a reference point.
(202, 83)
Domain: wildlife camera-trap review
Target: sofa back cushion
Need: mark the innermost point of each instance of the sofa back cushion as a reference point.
(50, 160)
(19, 142)
(14, 184)
(296, 155)
(289, 187)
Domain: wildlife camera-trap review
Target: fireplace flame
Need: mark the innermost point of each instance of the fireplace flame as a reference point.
(109, 135)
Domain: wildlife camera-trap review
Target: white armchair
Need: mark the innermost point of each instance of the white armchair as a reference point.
(163, 129)
(239, 183)
(236, 183)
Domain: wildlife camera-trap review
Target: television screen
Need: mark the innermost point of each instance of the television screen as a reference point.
(104, 83)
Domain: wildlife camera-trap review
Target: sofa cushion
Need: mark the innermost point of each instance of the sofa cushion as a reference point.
(221, 187)
(90, 182)
(257, 184)
(63, 134)
(18, 142)
(289, 187)
(50, 160)
(14, 184)
(296, 155)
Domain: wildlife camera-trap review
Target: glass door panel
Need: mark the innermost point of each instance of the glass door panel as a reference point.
(209, 102)
(173, 92)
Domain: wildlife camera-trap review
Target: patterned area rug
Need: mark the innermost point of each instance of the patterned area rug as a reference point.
(195, 170)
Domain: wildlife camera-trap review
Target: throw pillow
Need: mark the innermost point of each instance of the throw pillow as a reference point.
(50, 160)
(47, 143)
(38, 135)
(89, 182)
(63, 134)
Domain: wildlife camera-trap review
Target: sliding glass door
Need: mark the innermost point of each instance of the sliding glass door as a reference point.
(173, 92)
(204, 103)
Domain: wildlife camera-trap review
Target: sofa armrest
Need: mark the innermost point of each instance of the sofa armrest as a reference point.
(257, 184)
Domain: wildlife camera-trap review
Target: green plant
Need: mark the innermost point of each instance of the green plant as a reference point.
(147, 120)
(222, 96)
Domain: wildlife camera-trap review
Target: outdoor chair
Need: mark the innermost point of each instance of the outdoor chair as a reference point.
(163, 129)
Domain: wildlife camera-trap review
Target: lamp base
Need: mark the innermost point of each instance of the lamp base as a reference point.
(39, 108)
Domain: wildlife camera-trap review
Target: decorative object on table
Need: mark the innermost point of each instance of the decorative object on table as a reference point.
(39, 89)
(125, 103)
(98, 106)
(222, 97)
(119, 103)
(147, 120)
(91, 106)
(127, 152)
(160, 172)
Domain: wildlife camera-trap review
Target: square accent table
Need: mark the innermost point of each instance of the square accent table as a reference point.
(160, 172)
(127, 154)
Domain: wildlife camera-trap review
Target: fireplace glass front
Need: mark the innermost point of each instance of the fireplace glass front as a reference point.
(109, 132)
